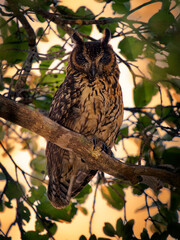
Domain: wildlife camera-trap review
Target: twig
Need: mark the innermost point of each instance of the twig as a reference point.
(94, 203)
(17, 167)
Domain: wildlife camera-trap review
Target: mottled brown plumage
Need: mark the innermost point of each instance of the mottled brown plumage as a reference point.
(89, 101)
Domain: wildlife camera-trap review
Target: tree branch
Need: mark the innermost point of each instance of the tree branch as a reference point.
(66, 139)
(31, 42)
(63, 23)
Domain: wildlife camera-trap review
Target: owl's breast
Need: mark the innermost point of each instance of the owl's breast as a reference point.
(100, 111)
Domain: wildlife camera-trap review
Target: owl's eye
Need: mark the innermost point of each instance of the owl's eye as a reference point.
(80, 59)
(106, 58)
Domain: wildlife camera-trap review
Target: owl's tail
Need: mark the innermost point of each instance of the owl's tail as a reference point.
(60, 192)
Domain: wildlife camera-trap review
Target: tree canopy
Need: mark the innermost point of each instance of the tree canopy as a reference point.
(149, 48)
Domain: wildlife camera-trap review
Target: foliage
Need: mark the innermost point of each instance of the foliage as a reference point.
(36, 77)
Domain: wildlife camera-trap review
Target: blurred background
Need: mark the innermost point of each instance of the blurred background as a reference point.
(22, 153)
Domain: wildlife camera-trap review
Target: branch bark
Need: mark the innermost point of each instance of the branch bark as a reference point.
(64, 138)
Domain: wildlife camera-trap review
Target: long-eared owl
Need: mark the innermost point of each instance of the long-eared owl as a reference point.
(89, 102)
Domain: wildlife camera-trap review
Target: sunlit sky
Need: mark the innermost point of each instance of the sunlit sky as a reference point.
(103, 213)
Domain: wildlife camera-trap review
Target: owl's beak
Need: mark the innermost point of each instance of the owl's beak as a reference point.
(93, 70)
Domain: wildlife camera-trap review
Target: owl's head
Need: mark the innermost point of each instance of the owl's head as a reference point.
(93, 58)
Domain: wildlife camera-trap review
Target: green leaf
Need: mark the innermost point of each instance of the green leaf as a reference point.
(39, 226)
(40, 18)
(172, 156)
(86, 29)
(52, 227)
(143, 122)
(175, 199)
(173, 59)
(53, 80)
(168, 115)
(172, 216)
(131, 47)
(124, 131)
(37, 194)
(4, 28)
(37, 177)
(14, 48)
(173, 229)
(113, 197)
(132, 159)
(13, 52)
(82, 237)
(24, 212)
(82, 196)
(112, 25)
(144, 235)
(161, 222)
(158, 74)
(144, 92)
(7, 80)
(47, 210)
(2, 133)
(13, 190)
(85, 13)
(167, 137)
(109, 230)
(128, 230)
(8, 204)
(149, 52)
(43, 103)
(55, 48)
(119, 227)
(172, 83)
(121, 7)
(44, 66)
(4, 238)
(34, 235)
(92, 237)
(160, 22)
(1, 205)
(156, 236)
(83, 210)
(39, 164)
(61, 31)
(67, 12)
(139, 189)
(40, 32)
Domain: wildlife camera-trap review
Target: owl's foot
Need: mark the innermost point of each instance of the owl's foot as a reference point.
(102, 145)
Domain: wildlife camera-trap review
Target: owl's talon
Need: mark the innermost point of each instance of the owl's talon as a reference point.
(102, 145)
(105, 148)
(95, 143)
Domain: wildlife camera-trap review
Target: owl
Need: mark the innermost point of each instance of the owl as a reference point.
(89, 102)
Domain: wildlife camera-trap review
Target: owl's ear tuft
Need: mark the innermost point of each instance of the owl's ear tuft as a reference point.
(107, 36)
(76, 38)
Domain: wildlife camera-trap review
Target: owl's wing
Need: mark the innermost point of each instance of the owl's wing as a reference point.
(68, 174)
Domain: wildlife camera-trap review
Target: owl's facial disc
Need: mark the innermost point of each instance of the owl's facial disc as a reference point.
(93, 58)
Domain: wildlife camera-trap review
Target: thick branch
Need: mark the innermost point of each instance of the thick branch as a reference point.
(64, 138)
